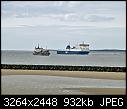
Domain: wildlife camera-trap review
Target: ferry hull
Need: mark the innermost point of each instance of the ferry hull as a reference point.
(73, 52)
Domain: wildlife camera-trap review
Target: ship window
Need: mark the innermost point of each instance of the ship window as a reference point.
(68, 47)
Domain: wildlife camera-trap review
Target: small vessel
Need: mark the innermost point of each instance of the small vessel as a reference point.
(41, 51)
(79, 49)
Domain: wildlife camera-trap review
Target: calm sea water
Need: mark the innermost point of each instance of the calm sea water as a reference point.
(95, 58)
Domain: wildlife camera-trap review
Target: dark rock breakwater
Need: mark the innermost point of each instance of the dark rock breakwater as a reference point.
(64, 68)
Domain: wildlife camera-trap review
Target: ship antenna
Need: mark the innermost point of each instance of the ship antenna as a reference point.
(38, 45)
(69, 46)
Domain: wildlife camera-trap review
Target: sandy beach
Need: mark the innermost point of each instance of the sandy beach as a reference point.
(120, 76)
(102, 91)
(82, 74)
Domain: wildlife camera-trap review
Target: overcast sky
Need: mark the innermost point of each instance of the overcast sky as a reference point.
(54, 24)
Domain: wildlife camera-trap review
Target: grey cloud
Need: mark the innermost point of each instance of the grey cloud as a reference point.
(72, 11)
(82, 17)
(33, 10)
(98, 18)
(70, 17)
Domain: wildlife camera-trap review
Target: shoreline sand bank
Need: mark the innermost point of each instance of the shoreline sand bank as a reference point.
(81, 74)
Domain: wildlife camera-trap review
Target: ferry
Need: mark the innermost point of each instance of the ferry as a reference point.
(41, 51)
(79, 49)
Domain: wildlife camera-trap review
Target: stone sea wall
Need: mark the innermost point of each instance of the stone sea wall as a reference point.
(64, 68)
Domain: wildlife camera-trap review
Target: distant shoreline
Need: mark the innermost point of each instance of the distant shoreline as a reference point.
(90, 50)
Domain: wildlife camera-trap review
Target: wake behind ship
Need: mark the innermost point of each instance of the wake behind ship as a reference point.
(79, 49)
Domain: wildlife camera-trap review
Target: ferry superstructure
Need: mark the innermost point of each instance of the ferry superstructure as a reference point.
(79, 49)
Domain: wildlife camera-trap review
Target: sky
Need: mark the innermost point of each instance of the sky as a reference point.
(53, 24)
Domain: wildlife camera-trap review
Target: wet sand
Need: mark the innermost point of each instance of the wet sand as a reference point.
(65, 91)
(102, 91)
(70, 91)
(81, 74)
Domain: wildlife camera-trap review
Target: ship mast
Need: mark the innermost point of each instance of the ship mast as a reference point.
(38, 45)
(69, 43)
